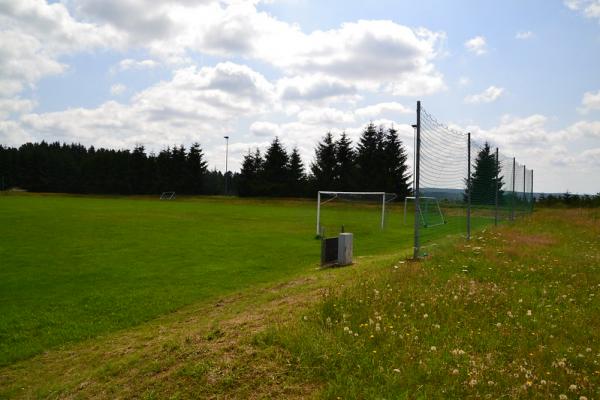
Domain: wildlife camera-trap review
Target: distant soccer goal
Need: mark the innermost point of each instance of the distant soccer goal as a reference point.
(167, 196)
(430, 212)
(376, 199)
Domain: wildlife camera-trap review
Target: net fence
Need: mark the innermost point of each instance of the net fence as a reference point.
(464, 182)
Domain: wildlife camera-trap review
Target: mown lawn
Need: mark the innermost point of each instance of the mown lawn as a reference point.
(73, 267)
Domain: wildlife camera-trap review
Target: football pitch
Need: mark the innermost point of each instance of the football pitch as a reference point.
(75, 267)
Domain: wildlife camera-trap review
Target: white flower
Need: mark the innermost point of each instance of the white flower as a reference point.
(433, 348)
(529, 313)
(573, 388)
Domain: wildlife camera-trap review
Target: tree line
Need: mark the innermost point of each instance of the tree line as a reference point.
(376, 163)
(73, 168)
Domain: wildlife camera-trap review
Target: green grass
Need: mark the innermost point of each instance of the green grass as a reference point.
(74, 267)
(514, 313)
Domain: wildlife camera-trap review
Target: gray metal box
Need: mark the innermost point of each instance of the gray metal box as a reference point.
(345, 249)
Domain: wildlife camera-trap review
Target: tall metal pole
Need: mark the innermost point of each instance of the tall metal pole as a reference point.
(416, 179)
(469, 186)
(512, 211)
(496, 189)
(524, 184)
(532, 200)
(226, 164)
(383, 212)
(318, 212)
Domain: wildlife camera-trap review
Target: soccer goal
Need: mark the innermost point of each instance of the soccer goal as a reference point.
(167, 196)
(378, 199)
(429, 211)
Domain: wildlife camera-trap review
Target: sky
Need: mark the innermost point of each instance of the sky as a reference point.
(521, 74)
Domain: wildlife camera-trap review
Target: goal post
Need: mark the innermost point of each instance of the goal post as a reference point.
(430, 211)
(385, 198)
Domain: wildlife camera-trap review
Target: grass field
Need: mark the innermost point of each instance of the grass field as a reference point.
(74, 267)
(511, 314)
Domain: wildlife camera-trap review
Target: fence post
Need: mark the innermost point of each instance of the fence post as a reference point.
(318, 212)
(469, 186)
(496, 190)
(524, 185)
(383, 212)
(416, 180)
(512, 208)
(532, 199)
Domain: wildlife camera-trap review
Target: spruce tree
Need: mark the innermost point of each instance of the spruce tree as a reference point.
(396, 173)
(324, 166)
(483, 178)
(250, 179)
(196, 169)
(345, 168)
(296, 176)
(369, 159)
(275, 172)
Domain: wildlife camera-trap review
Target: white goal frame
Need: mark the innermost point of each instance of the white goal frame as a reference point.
(437, 203)
(167, 196)
(385, 197)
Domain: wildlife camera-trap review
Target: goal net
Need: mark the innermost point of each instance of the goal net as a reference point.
(167, 196)
(363, 210)
(430, 213)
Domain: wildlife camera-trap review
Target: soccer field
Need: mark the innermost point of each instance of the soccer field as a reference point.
(74, 267)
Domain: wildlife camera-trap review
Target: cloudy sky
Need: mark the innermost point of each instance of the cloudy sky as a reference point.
(524, 74)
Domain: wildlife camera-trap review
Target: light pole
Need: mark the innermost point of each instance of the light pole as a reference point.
(226, 166)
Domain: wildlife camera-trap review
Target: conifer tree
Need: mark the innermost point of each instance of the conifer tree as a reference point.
(483, 178)
(324, 166)
(345, 167)
(396, 173)
(275, 171)
(296, 175)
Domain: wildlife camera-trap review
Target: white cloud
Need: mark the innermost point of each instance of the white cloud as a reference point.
(129, 63)
(33, 37)
(476, 45)
(591, 101)
(489, 95)
(589, 8)
(117, 89)
(464, 81)
(376, 110)
(325, 116)
(15, 106)
(194, 105)
(314, 87)
(265, 129)
(524, 35)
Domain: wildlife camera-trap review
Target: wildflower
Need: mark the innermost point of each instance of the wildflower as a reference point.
(563, 397)
(498, 324)
(588, 350)
(543, 381)
(454, 371)
(528, 383)
(425, 316)
(529, 313)
(305, 318)
(396, 370)
(583, 398)
(377, 327)
(346, 329)
(473, 382)
(433, 348)
(573, 388)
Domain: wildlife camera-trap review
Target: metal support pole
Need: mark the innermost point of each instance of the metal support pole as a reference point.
(532, 200)
(496, 189)
(318, 212)
(469, 186)
(524, 184)
(416, 179)
(512, 211)
(226, 164)
(383, 212)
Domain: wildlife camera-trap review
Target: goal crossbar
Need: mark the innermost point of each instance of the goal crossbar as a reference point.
(385, 197)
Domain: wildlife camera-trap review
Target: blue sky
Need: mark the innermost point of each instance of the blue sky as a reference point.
(116, 73)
